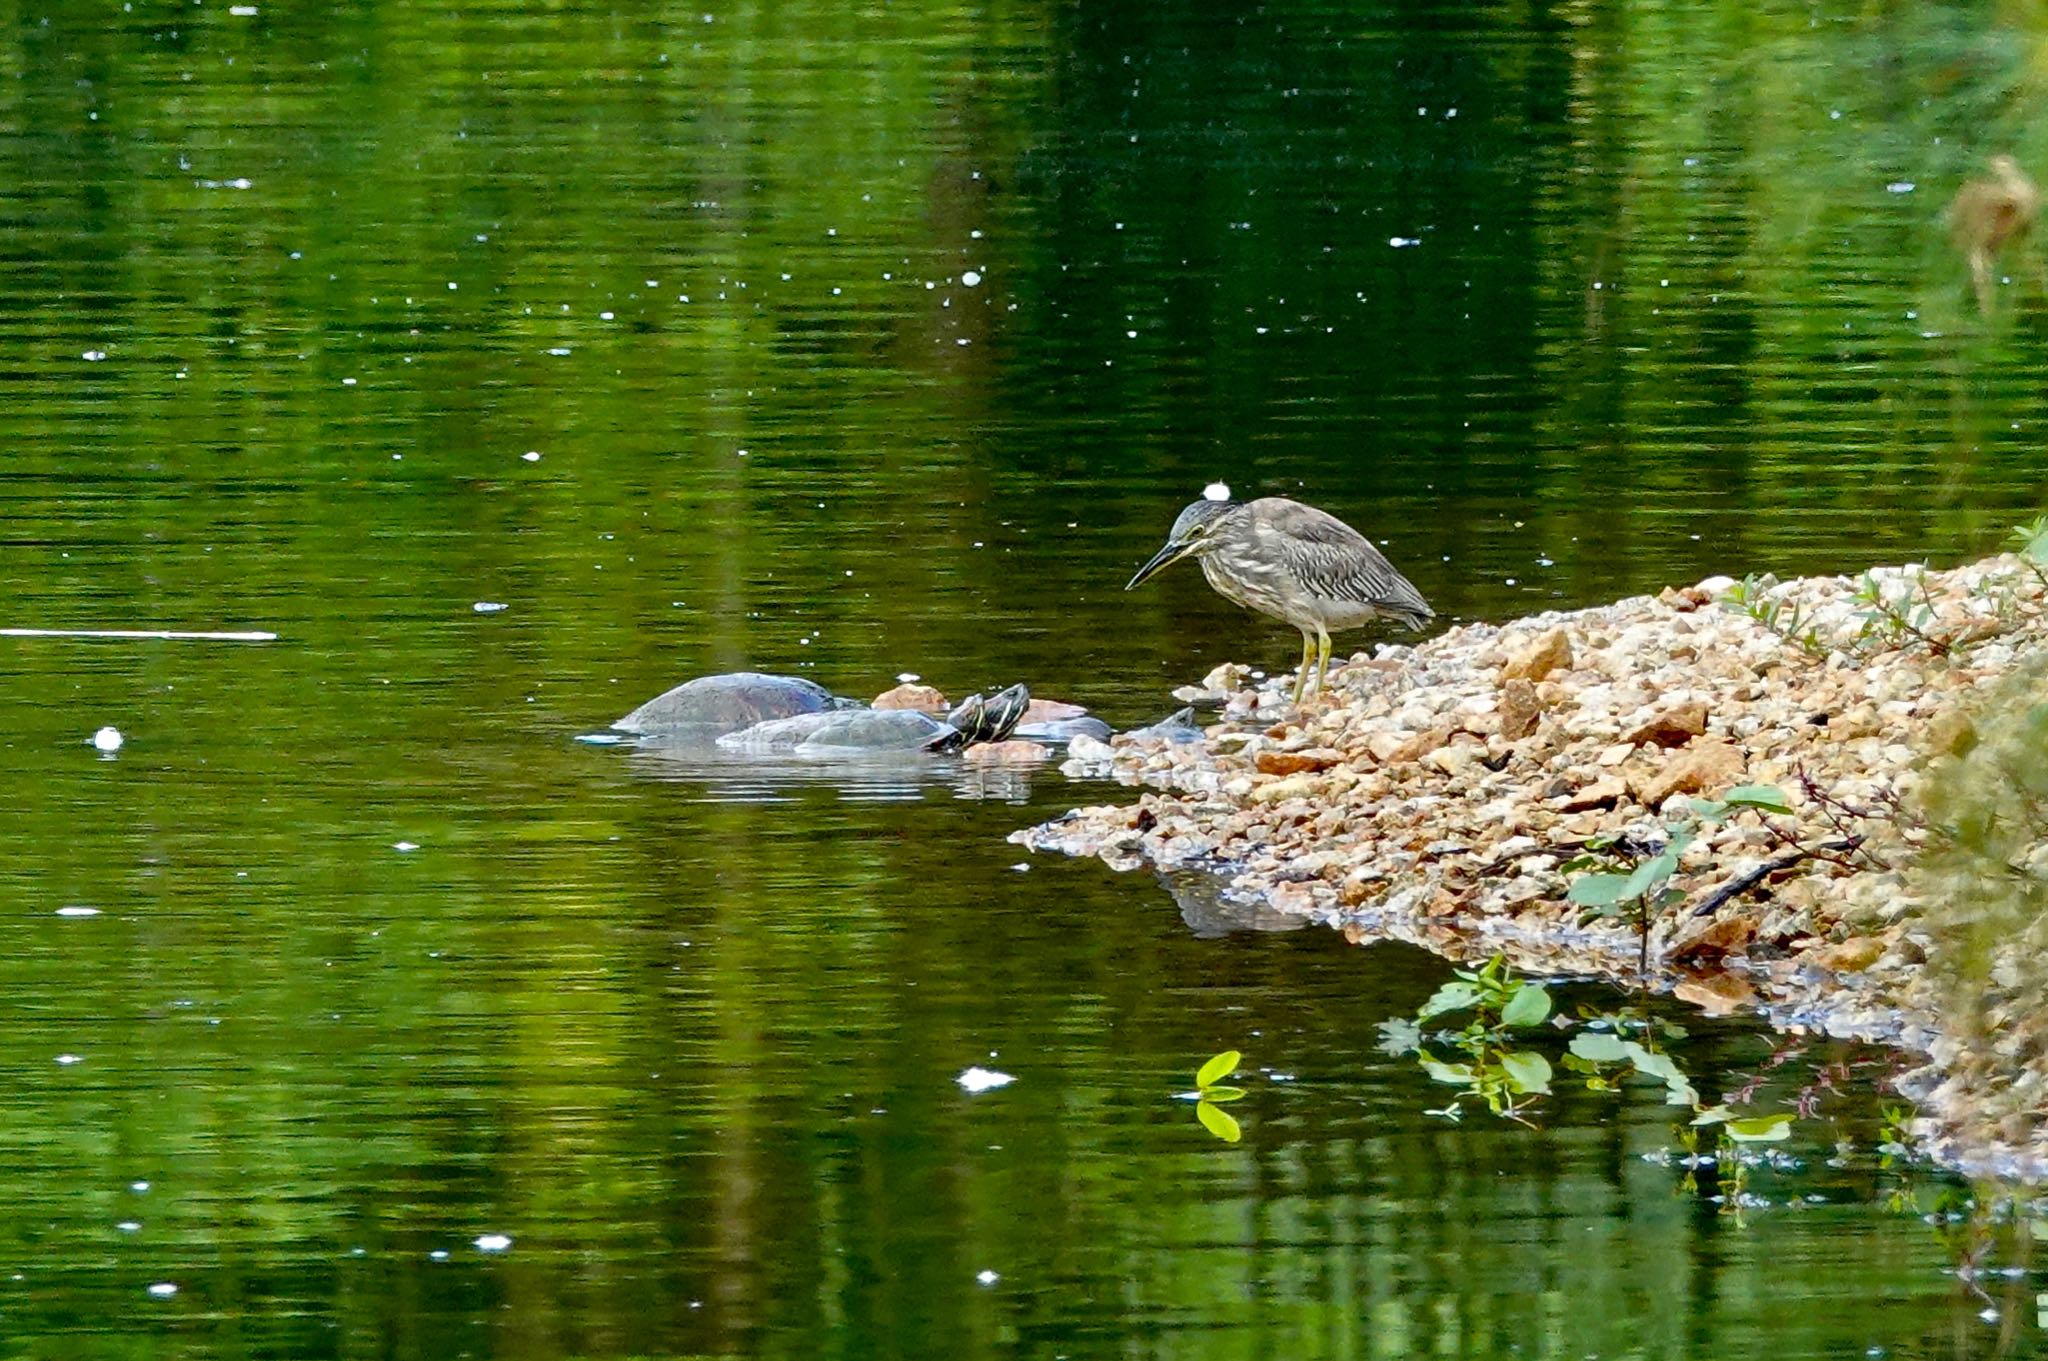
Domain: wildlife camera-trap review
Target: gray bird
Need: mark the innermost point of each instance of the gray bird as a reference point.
(1294, 562)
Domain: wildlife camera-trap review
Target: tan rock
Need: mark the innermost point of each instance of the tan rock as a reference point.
(1295, 762)
(1418, 746)
(1859, 720)
(920, 697)
(1706, 766)
(1672, 726)
(1453, 761)
(1853, 955)
(1717, 994)
(1519, 708)
(998, 753)
(1710, 937)
(1551, 651)
(1045, 710)
(1951, 733)
(1285, 788)
(1604, 792)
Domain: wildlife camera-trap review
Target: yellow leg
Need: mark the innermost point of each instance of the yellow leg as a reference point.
(1307, 654)
(1323, 663)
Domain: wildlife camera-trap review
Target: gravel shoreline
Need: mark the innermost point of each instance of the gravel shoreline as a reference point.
(1444, 795)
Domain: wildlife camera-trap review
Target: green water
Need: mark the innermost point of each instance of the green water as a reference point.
(653, 324)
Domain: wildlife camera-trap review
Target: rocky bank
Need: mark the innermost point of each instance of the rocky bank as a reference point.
(1449, 793)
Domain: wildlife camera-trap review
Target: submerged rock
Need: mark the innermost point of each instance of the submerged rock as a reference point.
(1062, 729)
(908, 695)
(847, 730)
(712, 706)
(1177, 727)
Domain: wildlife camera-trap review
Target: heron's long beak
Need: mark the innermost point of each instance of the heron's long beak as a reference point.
(1165, 557)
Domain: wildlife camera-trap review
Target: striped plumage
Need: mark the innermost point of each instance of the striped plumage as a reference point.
(1293, 562)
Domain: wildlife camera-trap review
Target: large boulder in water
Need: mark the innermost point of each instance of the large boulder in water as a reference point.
(712, 706)
(846, 732)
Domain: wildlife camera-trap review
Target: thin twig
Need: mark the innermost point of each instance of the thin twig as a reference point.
(159, 635)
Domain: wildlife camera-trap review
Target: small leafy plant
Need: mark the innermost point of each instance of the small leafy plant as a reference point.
(1488, 1065)
(1211, 1096)
(1895, 619)
(1644, 891)
(1752, 596)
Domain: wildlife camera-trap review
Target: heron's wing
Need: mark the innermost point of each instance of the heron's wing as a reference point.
(1335, 560)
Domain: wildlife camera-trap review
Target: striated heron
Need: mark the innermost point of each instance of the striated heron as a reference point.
(1294, 562)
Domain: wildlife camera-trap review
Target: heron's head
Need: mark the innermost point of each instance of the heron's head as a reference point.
(1194, 533)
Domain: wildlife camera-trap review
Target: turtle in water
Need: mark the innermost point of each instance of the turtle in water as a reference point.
(842, 732)
(712, 706)
(976, 720)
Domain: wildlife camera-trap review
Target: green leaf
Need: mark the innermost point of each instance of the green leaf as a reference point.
(1709, 810)
(1528, 1006)
(1597, 890)
(1220, 1094)
(1678, 1089)
(1767, 797)
(1649, 875)
(1457, 1074)
(1450, 997)
(1599, 1046)
(1761, 1129)
(1218, 1068)
(1527, 1071)
(1218, 1122)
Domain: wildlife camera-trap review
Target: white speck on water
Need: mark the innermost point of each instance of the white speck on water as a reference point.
(987, 1277)
(604, 316)
(138, 1186)
(1834, 113)
(488, 606)
(243, 11)
(978, 1079)
(403, 846)
(907, 677)
(1397, 242)
(348, 382)
(559, 350)
(74, 910)
(1216, 491)
(93, 356)
(439, 1254)
(1512, 582)
(1022, 867)
(107, 739)
(494, 1242)
(1900, 187)
(66, 1060)
(130, 1226)
(163, 1290)
(531, 456)
(970, 278)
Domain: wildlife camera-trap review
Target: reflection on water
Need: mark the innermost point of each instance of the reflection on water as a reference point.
(734, 777)
(847, 341)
